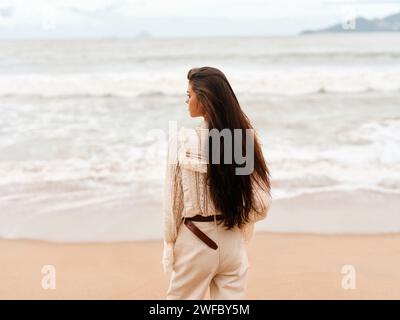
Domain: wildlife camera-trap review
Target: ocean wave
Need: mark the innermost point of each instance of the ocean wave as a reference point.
(277, 82)
(161, 94)
(289, 177)
(265, 57)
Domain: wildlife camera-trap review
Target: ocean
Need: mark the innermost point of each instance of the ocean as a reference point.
(82, 151)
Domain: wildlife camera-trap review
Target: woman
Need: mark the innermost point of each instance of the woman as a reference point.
(209, 209)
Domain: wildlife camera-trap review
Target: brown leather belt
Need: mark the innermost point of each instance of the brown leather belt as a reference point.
(200, 234)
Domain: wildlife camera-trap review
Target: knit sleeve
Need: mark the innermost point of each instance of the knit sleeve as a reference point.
(172, 204)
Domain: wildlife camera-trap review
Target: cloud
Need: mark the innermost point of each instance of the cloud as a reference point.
(98, 12)
(7, 12)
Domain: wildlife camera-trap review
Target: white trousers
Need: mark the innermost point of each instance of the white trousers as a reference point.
(198, 268)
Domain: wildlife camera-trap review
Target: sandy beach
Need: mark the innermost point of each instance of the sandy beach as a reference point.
(282, 266)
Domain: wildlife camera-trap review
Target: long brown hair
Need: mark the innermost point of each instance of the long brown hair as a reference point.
(232, 194)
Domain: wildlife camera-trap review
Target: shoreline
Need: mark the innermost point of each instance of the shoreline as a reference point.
(338, 213)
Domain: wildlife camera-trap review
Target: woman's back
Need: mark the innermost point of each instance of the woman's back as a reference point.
(186, 192)
(210, 207)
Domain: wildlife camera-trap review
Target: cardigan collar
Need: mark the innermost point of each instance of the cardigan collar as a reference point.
(204, 124)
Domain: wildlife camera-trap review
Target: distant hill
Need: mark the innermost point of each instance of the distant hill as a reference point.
(144, 34)
(388, 24)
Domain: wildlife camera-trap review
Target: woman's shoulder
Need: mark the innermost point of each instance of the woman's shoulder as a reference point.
(192, 154)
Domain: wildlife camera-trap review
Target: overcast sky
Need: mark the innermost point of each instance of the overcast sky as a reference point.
(178, 18)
